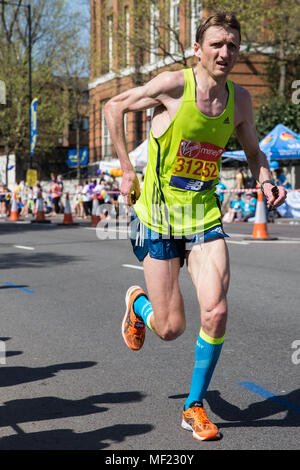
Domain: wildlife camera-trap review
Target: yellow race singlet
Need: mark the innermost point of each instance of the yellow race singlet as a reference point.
(178, 196)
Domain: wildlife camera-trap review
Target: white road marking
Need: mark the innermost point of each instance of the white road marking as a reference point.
(30, 248)
(284, 242)
(132, 266)
(237, 243)
(110, 230)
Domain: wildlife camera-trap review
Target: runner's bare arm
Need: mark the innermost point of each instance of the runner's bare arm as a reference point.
(257, 160)
(158, 91)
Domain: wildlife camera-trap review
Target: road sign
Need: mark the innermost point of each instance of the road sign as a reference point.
(31, 177)
(72, 161)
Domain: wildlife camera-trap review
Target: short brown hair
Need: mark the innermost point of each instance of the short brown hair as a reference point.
(222, 18)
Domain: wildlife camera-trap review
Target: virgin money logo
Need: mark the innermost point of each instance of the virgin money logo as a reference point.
(189, 149)
(201, 150)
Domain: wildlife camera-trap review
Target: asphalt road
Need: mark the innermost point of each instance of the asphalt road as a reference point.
(67, 380)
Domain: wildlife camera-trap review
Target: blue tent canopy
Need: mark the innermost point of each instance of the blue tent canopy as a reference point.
(280, 144)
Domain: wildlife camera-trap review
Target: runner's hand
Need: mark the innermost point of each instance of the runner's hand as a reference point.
(130, 188)
(276, 195)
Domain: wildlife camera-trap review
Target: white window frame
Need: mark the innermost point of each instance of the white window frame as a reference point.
(127, 34)
(154, 36)
(175, 24)
(110, 42)
(106, 143)
(196, 17)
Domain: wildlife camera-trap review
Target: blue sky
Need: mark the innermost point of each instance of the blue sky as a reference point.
(82, 6)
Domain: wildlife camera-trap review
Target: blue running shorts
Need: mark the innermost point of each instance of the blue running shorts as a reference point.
(144, 241)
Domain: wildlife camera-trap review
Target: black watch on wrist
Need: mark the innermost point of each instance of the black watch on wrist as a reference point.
(274, 189)
(266, 181)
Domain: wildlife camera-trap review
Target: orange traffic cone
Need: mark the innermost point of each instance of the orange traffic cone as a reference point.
(40, 214)
(95, 213)
(260, 229)
(68, 219)
(14, 212)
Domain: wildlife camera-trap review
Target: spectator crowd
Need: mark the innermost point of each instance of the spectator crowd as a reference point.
(240, 207)
(242, 204)
(104, 189)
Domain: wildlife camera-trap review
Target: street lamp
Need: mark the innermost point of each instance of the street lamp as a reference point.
(28, 7)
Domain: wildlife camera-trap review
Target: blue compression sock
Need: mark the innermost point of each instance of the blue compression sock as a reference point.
(207, 353)
(143, 308)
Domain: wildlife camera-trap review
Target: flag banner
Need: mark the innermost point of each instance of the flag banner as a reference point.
(72, 161)
(33, 126)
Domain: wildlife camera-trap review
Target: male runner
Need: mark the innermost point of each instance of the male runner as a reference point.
(178, 212)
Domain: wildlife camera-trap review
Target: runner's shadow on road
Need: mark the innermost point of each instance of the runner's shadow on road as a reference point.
(10, 376)
(16, 412)
(30, 410)
(67, 439)
(255, 414)
(37, 260)
(17, 286)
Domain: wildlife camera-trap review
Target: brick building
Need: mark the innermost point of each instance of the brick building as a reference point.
(132, 41)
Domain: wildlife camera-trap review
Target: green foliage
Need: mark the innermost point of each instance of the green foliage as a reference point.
(270, 28)
(277, 112)
(268, 115)
(292, 72)
(55, 49)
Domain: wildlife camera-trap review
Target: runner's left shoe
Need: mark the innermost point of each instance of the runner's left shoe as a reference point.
(133, 327)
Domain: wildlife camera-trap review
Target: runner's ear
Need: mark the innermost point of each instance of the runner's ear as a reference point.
(197, 50)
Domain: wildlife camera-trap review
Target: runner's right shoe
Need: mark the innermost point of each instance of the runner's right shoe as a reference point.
(133, 327)
(195, 419)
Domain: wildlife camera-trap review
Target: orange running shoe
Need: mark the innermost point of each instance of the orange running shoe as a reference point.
(195, 419)
(133, 327)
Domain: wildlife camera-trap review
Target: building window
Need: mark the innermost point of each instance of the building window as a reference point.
(127, 35)
(72, 125)
(110, 41)
(85, 97)
(106, 140)
(154, 32)
(85, 123)
(175, 25)
(196, 17)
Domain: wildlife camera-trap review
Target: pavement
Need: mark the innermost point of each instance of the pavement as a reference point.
(67, 380)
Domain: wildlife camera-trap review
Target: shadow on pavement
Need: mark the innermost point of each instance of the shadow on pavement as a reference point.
(17, 286)
(27, 226)
(32, 410)
(10, 376)
(38, 260)
(16, 412)
(46, 408)
(256, 412)
(66, 439)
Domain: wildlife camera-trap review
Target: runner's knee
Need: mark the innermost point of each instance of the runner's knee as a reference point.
(214, 317)
(171, 330)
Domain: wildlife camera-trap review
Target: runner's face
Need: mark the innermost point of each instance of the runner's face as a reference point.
(219, 50)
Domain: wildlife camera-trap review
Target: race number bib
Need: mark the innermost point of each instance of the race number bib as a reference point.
(195, 167)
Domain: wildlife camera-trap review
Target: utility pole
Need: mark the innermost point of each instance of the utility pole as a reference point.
(29, 78)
